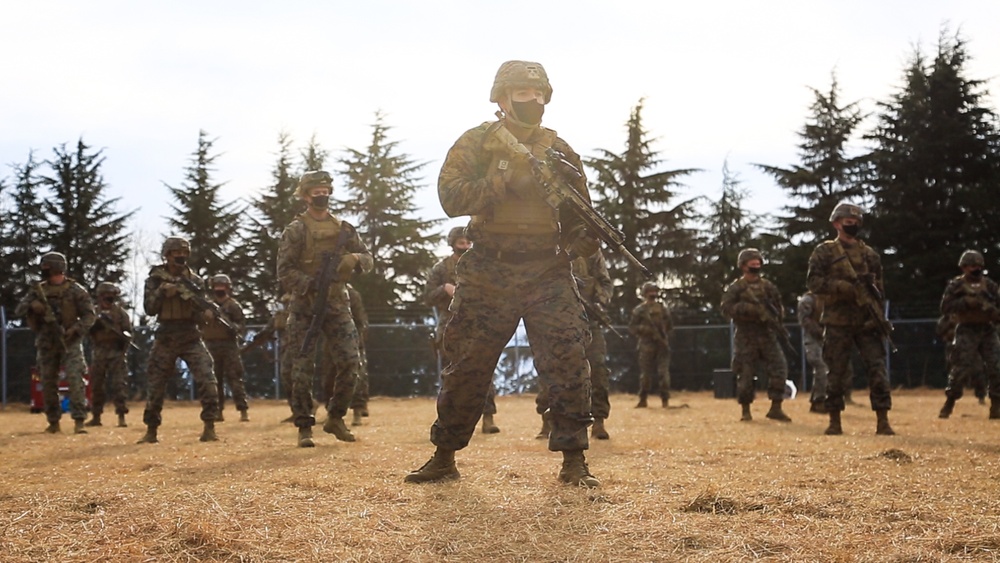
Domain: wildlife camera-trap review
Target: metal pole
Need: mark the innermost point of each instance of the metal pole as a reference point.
(802, 355)
(277, 365)
(3, 353)
(888, 362)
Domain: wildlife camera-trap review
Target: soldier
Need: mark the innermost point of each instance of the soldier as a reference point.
(974, 300)
(60, 312)
(305, 242)
(438, 293)
(179, 309)
(112, 336)
(359, 402)
(754, 305)
(945, 331)
(810, 309)
(846, 274)
(517, 269)
(222, 341)
(651, 325)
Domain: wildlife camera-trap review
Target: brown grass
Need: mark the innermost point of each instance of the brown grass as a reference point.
(679, 485)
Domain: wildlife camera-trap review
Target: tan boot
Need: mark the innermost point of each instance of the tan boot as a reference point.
(52, 428)
(575, 471)
(219, 417)
(994, 409)
(665, 402)
(946, 410)
(745, 415)
(244, 417)
(208, 433)
(834, 428)
(356, 420)
(95, 420)
(488, 426)
(440, 467)
(598, 431)
(306, 437)
(78, 427)
(543, 434)
(642, 401)
(335, 425)
(882, 427)
(776, 413)
(121, 421)
(149, 437)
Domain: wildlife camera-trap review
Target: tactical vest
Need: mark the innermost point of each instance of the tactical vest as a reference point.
(214, 329)
(101, 334)
(280, 319)
(524, 212)
(855, 260)
(978, 316)
(754, 292)
(60, 298)
(321, 237)
(174, 308)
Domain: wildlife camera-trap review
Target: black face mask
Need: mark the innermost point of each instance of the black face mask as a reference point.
(976, 274)
(458, 250)
(852, 230)
(180, 260)
(319, 201)
(108, 300)
(220, 293)
(754, 271)
(529, 112)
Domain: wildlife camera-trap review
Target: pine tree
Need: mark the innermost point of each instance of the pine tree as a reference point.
(934, 172)
(381, 185)
(211, 226)
(642, 204)
(84, 224)
(826, 175)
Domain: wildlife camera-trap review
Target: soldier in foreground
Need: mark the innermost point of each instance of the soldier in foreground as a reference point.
(111, 336)
(754, 305)
(60, 312)
(439, 291)
(810, 309)
(651, 325)
(222, 341)
(847, 275)
(316, 258)
(517, 269)
(173, 295)
(974, 301)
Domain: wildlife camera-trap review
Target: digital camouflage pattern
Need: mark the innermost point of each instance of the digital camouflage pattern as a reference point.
(945, 331)
(108, 366)
(224, 347)
(651, 325)
(60, 343)
(332, 395)
(848, 324)
(177, 336)
(809, 311)
(756, 348)
(975, 306)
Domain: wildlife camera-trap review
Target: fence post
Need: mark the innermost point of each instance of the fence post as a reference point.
(3, 354)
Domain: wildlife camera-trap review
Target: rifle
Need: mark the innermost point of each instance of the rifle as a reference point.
(50, 316)
(194, 295)
(257, 341)
(327, 277)
(660, 337)
(601, 317)
(868, 297)
(773, 322)
(558, 194)
(122, 335)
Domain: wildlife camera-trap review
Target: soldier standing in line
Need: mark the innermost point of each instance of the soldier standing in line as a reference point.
(847, 275)
(222, 342)
(974, 300)
(518, 269)
(359, 401)
(594, 283)
(439, 291)
(651, 325)
(810, 309)
(304, 243)
(112, 336)
(179, 311)
(754, 305)
(60, 312)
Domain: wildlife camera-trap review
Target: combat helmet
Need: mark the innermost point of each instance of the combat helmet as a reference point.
(175, 243)
(455, 234)
(520, 74)
(748, 254)
(220, 279)
(54, 262)
(108, 288)
(312, 179)
(846, 210)
(971, 258)
(649, 287)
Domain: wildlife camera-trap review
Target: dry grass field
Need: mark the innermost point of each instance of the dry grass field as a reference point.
(679, 484)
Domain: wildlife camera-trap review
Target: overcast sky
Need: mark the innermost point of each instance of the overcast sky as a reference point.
(722, 79)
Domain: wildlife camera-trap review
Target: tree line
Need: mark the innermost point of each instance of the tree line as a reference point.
(926, 172)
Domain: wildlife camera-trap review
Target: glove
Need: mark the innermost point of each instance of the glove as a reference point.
(347, 264)
(583, 244)
(168, 289)
(208, 315)
(37, 307)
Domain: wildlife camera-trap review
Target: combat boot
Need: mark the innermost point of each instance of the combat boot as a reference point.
(208, 434)
(335, 425)
(440, 467)
(818, 407)
(306, 437)
(78, 427)
(121, 421)
(543, 434)
(666, 402)
(288, 420)
(834, 429)
(52, 428)
(745, 416)
(244, 417)
(219, 417)
(575, 471)
(598, 431)
(949, 406)
(95, 420)
(882, 425)
(150, 437)
(642, 401)
(356, 420)
(994, 408)
(488, 426)
(776, 413)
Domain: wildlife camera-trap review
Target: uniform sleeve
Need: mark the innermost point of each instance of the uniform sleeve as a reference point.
(86, 317)
(568, 219)
(152, 299)
(434, 293)
(465, 186)
(122, 319)
(638, 324)
(293, 279)
(24, 305)
(954, 299)
(365, 260)
(604, 287)
(234, 314)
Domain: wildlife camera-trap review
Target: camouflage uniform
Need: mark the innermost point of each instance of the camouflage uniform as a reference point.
(299, 259)
(108, 363)
(223, 344)
(59, 343)
(651, 324)
(810, 310)
(359, 396)
(945, 331)
(756, 347)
